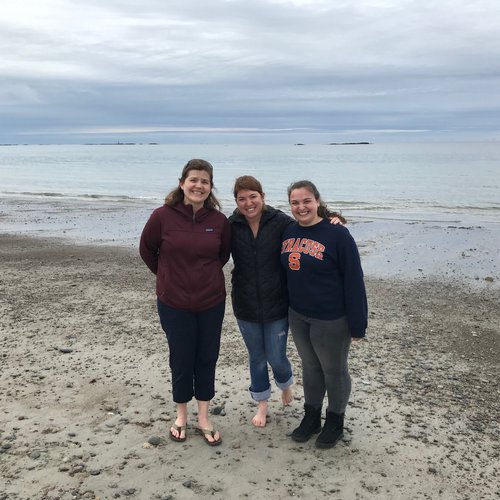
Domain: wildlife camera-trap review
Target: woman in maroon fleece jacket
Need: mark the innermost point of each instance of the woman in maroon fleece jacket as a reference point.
(186, 243)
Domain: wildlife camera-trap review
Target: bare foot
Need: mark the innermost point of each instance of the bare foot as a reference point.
(287, 396)
(260, 417)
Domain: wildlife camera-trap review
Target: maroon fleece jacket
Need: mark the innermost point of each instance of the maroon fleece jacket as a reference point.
(187, 252)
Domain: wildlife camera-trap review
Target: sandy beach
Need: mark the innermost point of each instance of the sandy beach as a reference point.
(86, 404)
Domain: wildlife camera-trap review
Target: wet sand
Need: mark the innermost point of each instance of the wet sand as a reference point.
(85, 387)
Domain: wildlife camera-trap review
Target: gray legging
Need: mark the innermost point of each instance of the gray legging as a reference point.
(323, 346)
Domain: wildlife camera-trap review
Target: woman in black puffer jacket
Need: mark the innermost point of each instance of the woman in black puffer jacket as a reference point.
(259, 292)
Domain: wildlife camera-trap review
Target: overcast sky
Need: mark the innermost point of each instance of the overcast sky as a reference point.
(76, 71)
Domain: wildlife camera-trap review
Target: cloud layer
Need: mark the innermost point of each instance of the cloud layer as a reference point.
(272, 70)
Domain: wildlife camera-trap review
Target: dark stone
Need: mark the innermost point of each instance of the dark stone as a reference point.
(154, 440)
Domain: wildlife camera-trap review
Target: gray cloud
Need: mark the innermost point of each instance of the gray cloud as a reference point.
(361, 68)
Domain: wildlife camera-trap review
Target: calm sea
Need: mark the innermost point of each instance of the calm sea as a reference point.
(414, 180)
(415, 210)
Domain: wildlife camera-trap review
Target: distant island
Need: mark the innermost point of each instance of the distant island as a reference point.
(91, 144)
(121, 144)
(337, 143)
(346, 143)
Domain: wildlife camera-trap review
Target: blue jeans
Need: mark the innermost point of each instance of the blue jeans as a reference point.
(266, 343)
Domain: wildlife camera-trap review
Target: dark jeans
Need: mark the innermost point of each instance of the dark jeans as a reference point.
(193, 341)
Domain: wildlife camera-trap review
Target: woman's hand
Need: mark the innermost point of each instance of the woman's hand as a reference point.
(336, 218)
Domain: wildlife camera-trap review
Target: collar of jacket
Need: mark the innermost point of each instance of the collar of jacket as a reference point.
(187, 211)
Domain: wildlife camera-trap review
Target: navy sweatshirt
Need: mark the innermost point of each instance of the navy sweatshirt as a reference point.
(324, 274)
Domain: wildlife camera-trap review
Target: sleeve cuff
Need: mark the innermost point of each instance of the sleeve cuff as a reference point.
(358, 333)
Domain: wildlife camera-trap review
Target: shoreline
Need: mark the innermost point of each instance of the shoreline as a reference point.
(85, 385)
(437, 247)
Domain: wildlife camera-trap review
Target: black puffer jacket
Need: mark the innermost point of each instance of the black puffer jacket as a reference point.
(259, 290)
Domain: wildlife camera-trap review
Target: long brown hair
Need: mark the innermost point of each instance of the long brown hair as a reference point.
(177, 194)
(323, 211)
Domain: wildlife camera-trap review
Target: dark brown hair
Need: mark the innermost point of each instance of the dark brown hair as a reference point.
(247, 182)
(177, 194)
(323, 211)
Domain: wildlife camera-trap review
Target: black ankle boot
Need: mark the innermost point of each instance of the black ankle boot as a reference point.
(311, 424)
(333, 430)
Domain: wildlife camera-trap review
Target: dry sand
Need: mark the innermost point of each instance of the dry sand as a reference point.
(85, 385)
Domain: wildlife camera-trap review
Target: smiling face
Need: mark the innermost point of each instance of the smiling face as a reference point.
(304, 206)
(196, 188)
(250, 204)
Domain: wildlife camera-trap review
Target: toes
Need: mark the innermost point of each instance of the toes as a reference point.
(176, 433)
(212, 438)
(259, 422)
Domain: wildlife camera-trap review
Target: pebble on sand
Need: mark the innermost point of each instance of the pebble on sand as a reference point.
(154, 440)
(65, 350)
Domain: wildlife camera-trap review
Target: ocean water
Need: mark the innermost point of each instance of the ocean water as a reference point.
(407, 180)
(417, 211)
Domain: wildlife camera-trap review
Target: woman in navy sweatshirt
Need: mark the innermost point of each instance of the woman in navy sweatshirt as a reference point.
(186, 243)
(327, 307)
